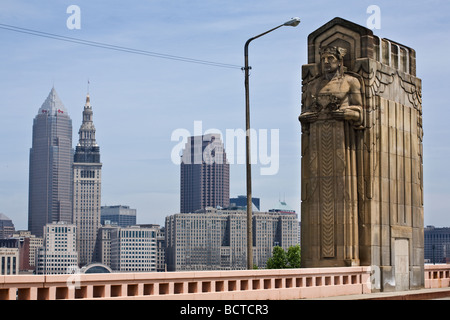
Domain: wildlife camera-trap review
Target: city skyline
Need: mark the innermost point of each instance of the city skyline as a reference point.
(140, 101)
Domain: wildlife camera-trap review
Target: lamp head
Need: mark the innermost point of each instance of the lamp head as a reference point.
(293, 22)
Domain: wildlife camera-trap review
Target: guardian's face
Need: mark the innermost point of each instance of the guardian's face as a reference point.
(330, 63)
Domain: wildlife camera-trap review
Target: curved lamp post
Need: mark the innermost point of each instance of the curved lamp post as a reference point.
(291, 23)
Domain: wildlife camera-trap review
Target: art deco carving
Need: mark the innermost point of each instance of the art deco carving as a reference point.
(332, 114)
(362, 176)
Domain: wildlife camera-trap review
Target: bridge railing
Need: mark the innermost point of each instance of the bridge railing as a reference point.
(242, 284)
(437, 276)
(202, 285)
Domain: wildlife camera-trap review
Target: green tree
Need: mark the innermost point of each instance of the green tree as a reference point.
(281, 259)
(293, 256)
(278, 259)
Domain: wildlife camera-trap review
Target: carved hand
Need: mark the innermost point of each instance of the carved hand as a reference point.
(347, 114)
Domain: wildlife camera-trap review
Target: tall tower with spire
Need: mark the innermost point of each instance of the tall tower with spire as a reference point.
(87, 188)
(50, 175)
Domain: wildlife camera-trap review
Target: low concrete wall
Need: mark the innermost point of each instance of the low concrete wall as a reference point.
(282, 284)
(244, 284)
(437, 276)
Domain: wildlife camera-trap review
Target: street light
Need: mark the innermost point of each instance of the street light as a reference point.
(291, 23)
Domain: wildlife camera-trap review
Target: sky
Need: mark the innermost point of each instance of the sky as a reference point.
(142, 102)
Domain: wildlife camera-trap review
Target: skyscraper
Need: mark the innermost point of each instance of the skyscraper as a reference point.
(50, 175)
(87, 188)
(205, 174)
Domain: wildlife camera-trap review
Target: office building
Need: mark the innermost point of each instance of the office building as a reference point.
(87, 170)
(9, 261)
(59, 254)
(161, 265)
(123, 216)
(6, 227)
(282, 207)
(160, 245)
(437, 245)
(50, 172)
(241, 201)
(216, 239)
(133, 249)
(28, 245)
(104, 243)
(205, 174)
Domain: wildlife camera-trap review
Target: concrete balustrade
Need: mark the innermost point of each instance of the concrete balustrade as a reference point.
(437, 276)
(201, 285)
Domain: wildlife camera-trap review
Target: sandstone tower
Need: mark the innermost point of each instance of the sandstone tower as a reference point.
(362, 181)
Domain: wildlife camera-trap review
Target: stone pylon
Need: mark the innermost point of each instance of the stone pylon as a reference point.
(362, 176)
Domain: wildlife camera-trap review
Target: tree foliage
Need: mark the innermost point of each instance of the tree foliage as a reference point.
(281, 259)
(278, 259)
(293, 256)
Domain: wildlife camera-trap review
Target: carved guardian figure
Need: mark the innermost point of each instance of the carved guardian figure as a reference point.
(362, 156)
(331, 117)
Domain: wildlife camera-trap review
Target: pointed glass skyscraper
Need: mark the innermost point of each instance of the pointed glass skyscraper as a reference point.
(87, 188)
(50, 176)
